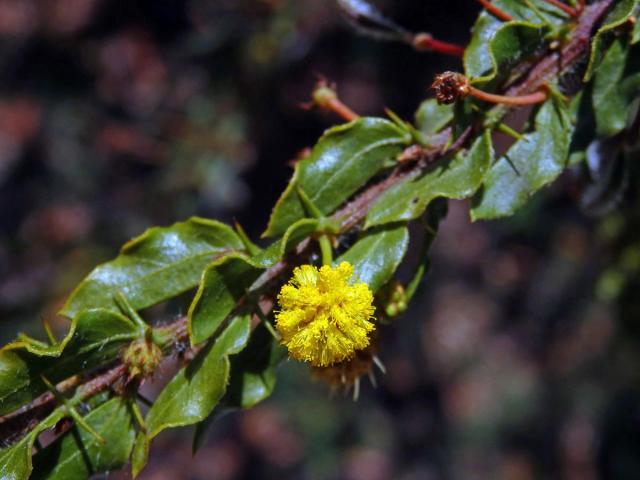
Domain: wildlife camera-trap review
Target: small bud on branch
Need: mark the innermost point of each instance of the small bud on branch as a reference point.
(426, 42)
(452, 86)
(325, 97)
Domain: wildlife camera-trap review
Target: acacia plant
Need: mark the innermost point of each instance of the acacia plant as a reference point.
(322, 290)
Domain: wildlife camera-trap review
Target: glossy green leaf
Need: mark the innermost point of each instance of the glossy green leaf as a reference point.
(616, 84)
(195, 390)
(528, 165)
(157, 265)
(253, 371)
(342, 161)
(140, 454)
(458, 177)
(269, 256)
(496, 45)
(223, 284)
(619, 14)
(377, 254)
(298, 232)
(78, 454)
(252, 379)
(487, 58)
(96, 337)
(432, 117)
(16, 462)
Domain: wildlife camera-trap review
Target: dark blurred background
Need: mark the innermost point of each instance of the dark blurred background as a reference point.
(517, 359)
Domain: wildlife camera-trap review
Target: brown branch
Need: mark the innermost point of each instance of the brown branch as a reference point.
(19, 422)
(559, 63)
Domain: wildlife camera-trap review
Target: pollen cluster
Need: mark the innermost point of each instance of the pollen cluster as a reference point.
(324, 319)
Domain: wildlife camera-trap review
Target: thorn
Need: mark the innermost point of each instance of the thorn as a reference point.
(47, 328)
(267, 324)
(71, 411)
(127, 309)
(507, 130)
(271, 330)
(308, 204)
(249, 246)
(80, 421)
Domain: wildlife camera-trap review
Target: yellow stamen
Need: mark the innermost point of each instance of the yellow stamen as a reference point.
(323, 318)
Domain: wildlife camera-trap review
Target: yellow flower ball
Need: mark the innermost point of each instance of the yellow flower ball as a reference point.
(323, 318)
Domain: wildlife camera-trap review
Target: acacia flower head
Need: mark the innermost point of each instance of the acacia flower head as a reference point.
(324, 318)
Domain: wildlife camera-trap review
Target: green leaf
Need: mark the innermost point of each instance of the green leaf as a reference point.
(298, 232)
(157, 265)
(616, 84)
(342, 161)
(140, 454)
(195, 390)
(223, 284)
(496, 46)
(269, 256)
(253, 378)
(78, 454)
(458, 177)
(16, 461)
(253, 371)
(529, 164)
(614, 19)
(96, 337)
(377, 254)
(432, 117)
(635, 35)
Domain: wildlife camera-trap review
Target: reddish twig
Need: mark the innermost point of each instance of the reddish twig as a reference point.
(426, 42)
(495, 11)
(530, 99)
